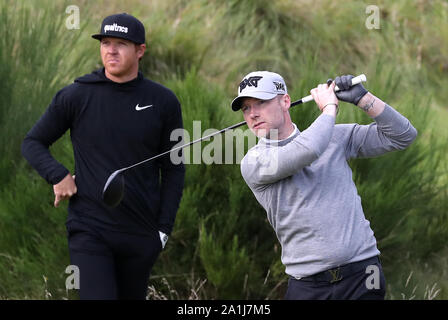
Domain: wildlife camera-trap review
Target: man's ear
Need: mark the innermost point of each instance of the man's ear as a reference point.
(286, 102)
(140, 49)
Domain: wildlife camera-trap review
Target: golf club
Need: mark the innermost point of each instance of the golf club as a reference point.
(113, 191)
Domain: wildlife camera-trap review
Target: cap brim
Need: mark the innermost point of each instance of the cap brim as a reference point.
(100, 36)
(236, 103)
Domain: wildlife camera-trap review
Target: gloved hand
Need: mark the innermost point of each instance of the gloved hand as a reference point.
(347, 93)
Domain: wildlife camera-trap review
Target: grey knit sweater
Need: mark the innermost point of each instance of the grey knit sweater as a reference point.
(305, 185)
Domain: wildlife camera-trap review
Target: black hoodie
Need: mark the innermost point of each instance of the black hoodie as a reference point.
(113, 125)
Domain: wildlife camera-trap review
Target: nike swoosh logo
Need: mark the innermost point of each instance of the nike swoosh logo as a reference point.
(141, 108)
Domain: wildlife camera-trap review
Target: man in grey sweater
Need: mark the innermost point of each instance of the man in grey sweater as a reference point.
(303, 181)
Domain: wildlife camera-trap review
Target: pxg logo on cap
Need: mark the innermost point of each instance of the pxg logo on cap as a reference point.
(263, 85)
(122, 26)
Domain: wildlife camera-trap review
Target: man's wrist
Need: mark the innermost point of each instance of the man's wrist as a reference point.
(331, 109)
(372, 105)
(366, 103)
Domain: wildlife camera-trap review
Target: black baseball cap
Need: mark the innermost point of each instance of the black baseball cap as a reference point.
(122, 26)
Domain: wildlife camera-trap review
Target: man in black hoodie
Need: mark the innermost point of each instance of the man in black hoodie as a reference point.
(116, 117)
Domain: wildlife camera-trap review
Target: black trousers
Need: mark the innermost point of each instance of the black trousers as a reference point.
(363, 280)
(111, 265)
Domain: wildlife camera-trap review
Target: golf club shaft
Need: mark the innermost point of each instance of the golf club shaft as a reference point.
(187, 144)
(355, 81)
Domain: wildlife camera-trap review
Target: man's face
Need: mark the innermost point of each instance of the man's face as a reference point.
(266, 118)
(120, 56)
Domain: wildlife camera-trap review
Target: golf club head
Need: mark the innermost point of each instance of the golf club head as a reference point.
(114, 189)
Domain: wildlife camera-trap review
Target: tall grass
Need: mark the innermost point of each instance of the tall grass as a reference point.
(36, 60)
(222, 245)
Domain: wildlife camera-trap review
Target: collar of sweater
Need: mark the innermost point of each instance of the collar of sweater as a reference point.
(294, 133)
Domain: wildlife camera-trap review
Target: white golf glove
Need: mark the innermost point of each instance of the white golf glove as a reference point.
(163, 238)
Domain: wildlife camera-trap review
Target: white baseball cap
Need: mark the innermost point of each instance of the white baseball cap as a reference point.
(262, 85)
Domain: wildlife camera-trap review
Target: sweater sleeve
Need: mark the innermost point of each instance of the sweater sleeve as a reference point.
(391, 131)
(172, 175)
(49, 128)
(269, 163)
